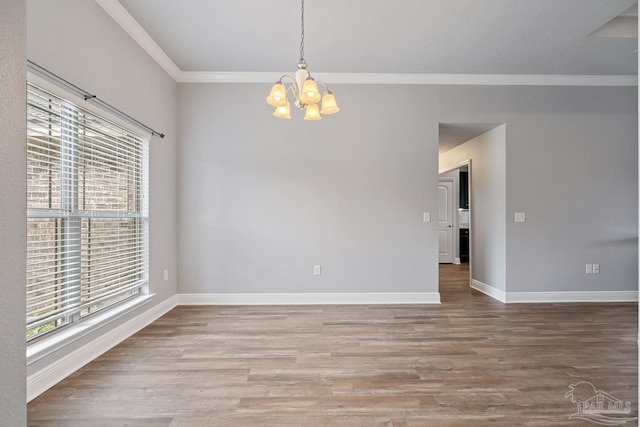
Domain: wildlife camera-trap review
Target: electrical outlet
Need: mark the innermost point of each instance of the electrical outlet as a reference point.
(317, 270)
(596, 268)
(166, 275)
(426, 216)
(519, 217)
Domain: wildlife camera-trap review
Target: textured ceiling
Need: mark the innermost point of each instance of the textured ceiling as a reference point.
(383, 36)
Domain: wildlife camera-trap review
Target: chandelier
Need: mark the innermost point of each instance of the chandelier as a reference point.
(304, 90)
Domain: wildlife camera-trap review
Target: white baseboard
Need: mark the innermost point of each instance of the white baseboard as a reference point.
(494, 293)
(42, 380)
(310, 299)
(554, 297)
(577, 296)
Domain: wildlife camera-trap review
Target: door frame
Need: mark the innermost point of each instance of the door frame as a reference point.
(468, 164)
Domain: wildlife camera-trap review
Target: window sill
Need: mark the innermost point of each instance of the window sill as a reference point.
(58, 340)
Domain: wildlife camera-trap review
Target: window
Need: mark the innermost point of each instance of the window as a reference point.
(87, 214)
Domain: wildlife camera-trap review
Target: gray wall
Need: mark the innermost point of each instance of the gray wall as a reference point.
(488, 203)
(77, 40)
(573, 168)
(262, 199)
(13, 211)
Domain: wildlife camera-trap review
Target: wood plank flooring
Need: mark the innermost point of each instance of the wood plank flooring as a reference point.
(470, 361)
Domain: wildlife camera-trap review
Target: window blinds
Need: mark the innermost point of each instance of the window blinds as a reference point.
(87, 244)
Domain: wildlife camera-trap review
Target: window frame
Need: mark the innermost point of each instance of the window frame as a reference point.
(82, 325)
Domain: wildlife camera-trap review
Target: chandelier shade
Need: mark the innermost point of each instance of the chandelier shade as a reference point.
(312, 112)
(304, 89)
(310, 94)
(329, 105)
(283, 111)
(278, 95)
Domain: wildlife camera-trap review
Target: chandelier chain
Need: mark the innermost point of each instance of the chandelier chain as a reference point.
(302, 33)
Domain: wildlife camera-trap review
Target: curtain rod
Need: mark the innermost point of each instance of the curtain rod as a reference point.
(90, 97)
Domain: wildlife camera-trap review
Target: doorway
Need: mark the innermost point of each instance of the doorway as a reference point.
(454, 231)
(486, 177)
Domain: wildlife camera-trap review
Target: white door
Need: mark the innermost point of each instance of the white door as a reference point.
(445, 222)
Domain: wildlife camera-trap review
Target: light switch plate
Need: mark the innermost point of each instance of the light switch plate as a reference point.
(519, 217)
(426, 216)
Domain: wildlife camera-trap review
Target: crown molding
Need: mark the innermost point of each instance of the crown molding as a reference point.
(416, 79)
(135, 30)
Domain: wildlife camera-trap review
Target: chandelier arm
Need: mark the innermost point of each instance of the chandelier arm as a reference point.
(288, 78)
(296, 101)
(291, 81)
(326, 88)
(292, 89)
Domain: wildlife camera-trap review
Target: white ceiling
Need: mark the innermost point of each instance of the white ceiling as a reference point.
(552, 37)
(453, 134)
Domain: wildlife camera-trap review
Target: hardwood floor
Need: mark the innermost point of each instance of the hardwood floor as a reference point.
(470, 361)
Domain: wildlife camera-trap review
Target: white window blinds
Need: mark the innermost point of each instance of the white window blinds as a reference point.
(87, 245)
